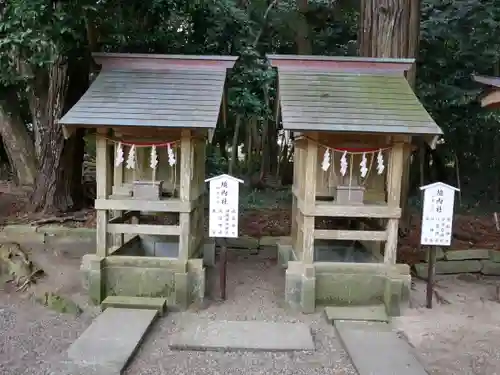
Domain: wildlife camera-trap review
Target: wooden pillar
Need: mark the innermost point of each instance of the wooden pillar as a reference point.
(102, 192)
(117, 181)
(395, 176)
(186, 178)
(309, 199)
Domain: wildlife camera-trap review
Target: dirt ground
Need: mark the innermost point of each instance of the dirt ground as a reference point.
(461, 337)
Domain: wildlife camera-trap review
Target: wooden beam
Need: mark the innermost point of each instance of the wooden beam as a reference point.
(329, 209)
(164, 205)
(309, 180)
(350, 235)
(160, 230)
(102, 171)
(185, 193)
(395, 176)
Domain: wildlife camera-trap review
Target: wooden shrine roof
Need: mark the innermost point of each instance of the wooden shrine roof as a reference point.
(491, 97)
(343, 94)
(153, 91)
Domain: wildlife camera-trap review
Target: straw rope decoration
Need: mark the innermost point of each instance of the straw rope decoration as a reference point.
(131, 159)
(346, 163)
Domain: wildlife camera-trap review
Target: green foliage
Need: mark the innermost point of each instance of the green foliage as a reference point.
(458, 39)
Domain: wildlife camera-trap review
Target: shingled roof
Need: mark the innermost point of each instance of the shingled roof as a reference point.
(153, 91)
(341, 94)
(491, 96)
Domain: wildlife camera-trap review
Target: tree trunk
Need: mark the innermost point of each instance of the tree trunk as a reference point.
(234, 145)
(391, 29)
(58, 183)
(302, 39)
(17, 142)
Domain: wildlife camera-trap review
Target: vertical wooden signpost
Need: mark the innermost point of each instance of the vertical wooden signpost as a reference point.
(437, 223)
(223, 217)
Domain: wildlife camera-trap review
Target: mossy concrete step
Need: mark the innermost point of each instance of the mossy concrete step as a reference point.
(374, 313)
(144, 303)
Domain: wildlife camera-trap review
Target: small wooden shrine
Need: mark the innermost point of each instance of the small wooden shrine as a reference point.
(151, 115)
(491, 96)
(353, 122)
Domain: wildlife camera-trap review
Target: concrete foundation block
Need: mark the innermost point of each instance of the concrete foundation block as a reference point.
(494, 256)
(197, 279)
(450, 267)
(308, 295)
(467, 254)
(284, 255)
(440, 254)
(393, 296)
(293, 289)
(92, 275)
(209, 254)
(181, 282)
(490, 268)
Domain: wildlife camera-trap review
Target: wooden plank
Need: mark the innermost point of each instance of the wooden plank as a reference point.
(166, 205)
(186, 180)
(102, 170)
(160, 230)
(351, 235)
(395, 175)
(372, 211)
(309, 177)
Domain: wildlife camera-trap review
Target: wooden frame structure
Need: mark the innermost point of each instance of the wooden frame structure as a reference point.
(491, 97)
(168, 105)
(353, 106)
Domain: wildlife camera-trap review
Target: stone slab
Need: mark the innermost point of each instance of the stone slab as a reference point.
(439, 253)
(490, 268)
(467, 254)
(126, 302)
(108, 344)
(374, 313)
(375, 349)
(244, 336)
(495, 256)
(450, 267)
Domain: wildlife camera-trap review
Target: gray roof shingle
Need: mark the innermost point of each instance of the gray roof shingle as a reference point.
(163, 97)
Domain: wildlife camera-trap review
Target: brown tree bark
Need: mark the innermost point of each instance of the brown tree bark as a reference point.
(16, 139)
(58, 185)
(391, 29)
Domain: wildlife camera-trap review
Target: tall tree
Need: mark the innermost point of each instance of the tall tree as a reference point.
(391, 28)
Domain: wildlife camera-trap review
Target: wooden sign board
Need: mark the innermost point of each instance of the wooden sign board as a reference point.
(223, 207)
(437, 215)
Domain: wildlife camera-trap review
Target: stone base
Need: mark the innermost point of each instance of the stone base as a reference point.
(344, 284)
(180, 283)
(285, 251)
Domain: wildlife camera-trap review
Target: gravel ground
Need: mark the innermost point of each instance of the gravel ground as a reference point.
(461, 337)
(31, 336)
(253, 289)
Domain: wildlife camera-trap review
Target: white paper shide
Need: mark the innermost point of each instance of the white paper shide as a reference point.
(224, 197)
(437, 216)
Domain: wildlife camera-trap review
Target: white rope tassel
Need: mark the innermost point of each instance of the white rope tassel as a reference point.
(119, 158)
(343, 164)
(380, 162)
(326, 160)
(363, 167)
(131, 158)
(154, 158)
(171, 155)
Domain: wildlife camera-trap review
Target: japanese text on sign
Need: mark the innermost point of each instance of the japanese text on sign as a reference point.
(437, 216)
(223, 219)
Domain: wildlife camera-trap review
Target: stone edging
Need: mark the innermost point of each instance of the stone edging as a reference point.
(484, 261)
(49, 234)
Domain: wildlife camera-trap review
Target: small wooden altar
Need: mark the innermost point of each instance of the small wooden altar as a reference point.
(151, 115)
(353, 122)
